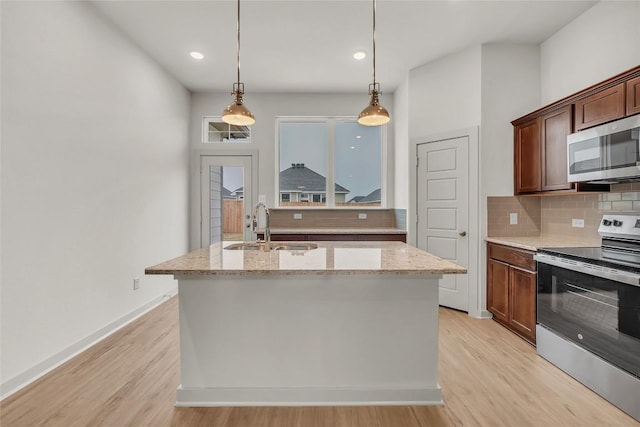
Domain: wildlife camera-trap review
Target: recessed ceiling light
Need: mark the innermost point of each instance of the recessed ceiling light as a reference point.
(360, 55)
(358, 136)
(196, 55)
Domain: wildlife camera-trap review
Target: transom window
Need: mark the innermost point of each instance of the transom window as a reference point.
(214, 130)
(329, 162)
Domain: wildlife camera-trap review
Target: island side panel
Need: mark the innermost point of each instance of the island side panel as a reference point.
(308, 340)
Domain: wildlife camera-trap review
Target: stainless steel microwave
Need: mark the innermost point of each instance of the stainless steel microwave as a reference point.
(607, 153)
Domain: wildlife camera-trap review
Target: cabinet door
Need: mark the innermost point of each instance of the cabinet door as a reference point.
(633, 96)
(527, 157)
(554, 128)
(601, 107)
(522, 302)
(498, 289)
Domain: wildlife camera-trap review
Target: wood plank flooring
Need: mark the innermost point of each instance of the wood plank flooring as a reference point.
(489, 377)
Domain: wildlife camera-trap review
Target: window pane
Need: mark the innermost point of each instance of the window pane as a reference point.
(303, 163)
(358, 159)
(215, 130)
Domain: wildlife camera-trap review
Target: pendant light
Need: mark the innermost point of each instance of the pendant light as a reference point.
(236, 113)
(375, 114)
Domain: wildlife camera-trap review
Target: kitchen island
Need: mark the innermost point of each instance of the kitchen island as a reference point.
(346, 323)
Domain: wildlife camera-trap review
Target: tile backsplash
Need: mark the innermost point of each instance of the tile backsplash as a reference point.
(338, 218)
(553, 215)
(499, 210)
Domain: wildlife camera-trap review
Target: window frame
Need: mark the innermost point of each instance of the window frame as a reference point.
(330, 178)
(218, 119)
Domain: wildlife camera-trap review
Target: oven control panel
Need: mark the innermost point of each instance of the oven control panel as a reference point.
(622, 226)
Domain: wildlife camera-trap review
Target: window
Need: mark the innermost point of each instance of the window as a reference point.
(330, 162)
(214, 130)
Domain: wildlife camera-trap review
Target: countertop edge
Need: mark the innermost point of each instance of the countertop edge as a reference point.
(533, 243)
(511, 243)
(261, 273)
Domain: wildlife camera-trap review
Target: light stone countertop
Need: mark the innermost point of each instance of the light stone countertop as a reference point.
(532, 243)
(337, 230)
(330, 258)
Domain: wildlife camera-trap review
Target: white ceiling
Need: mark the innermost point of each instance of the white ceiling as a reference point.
(307, 46)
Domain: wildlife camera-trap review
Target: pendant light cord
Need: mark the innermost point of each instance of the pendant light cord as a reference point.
(238, 26)
(374, 43)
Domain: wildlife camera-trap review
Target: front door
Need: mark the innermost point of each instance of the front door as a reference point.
(225, 199)
(443, 211)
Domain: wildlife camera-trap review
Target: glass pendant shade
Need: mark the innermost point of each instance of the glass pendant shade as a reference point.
(374, 114)
(236, 113)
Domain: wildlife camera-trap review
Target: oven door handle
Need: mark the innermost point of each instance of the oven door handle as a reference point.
(594, 270)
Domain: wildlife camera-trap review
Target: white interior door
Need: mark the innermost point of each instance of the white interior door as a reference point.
(443, 211)
(225, 198)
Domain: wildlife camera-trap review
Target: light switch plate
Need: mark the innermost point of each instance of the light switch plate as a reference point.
(362, 216)
(513, 218)
(262, 198)
(579, 223)
(297, 216)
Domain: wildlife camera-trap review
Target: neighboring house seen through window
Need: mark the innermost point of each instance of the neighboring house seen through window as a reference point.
(330, 162)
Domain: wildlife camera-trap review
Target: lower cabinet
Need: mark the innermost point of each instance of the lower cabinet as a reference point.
(511, 289)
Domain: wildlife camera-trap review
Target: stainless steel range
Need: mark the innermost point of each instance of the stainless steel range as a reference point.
(589, 311)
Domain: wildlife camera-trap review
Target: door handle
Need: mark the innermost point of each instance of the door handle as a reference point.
(462, 233)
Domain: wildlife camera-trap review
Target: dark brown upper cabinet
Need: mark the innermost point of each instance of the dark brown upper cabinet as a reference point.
(604, 106)
(540, 137)
(554, 128)
(633, 96)
(527, 157)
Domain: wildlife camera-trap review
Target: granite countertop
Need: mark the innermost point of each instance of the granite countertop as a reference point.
(330, 258)
(337, 230)
(532, 243)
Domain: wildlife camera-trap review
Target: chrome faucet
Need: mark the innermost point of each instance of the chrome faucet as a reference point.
(267, 230)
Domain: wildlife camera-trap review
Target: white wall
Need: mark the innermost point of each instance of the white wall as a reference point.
(94, 181)
(445, 94)
(266, 108)
(510, 87)
(600, 43)
(401, 173)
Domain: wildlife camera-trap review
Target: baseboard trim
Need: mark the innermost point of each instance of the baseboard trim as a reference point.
(25, 378)
(300, 396)
(484, 314)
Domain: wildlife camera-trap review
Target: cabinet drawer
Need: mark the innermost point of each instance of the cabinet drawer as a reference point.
(518, 257)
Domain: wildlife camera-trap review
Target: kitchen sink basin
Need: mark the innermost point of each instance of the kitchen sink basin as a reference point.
(248, 246)
(262, 246)
(295, 246)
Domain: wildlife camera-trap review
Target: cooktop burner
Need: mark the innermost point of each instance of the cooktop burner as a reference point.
(594, 256)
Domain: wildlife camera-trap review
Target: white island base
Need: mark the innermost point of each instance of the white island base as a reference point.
(309, 339)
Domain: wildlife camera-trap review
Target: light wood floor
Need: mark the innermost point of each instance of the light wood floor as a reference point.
(489, 377)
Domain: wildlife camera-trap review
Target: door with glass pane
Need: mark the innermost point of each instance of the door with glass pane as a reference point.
(225, 199)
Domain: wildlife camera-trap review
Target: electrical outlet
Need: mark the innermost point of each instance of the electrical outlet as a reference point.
(297, 216)
(362, 216)
(579, 223)
(136, 284)
(513, 218)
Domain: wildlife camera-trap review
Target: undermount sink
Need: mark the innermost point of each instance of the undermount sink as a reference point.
(295, 247)
(248, 246)
(262, 246)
